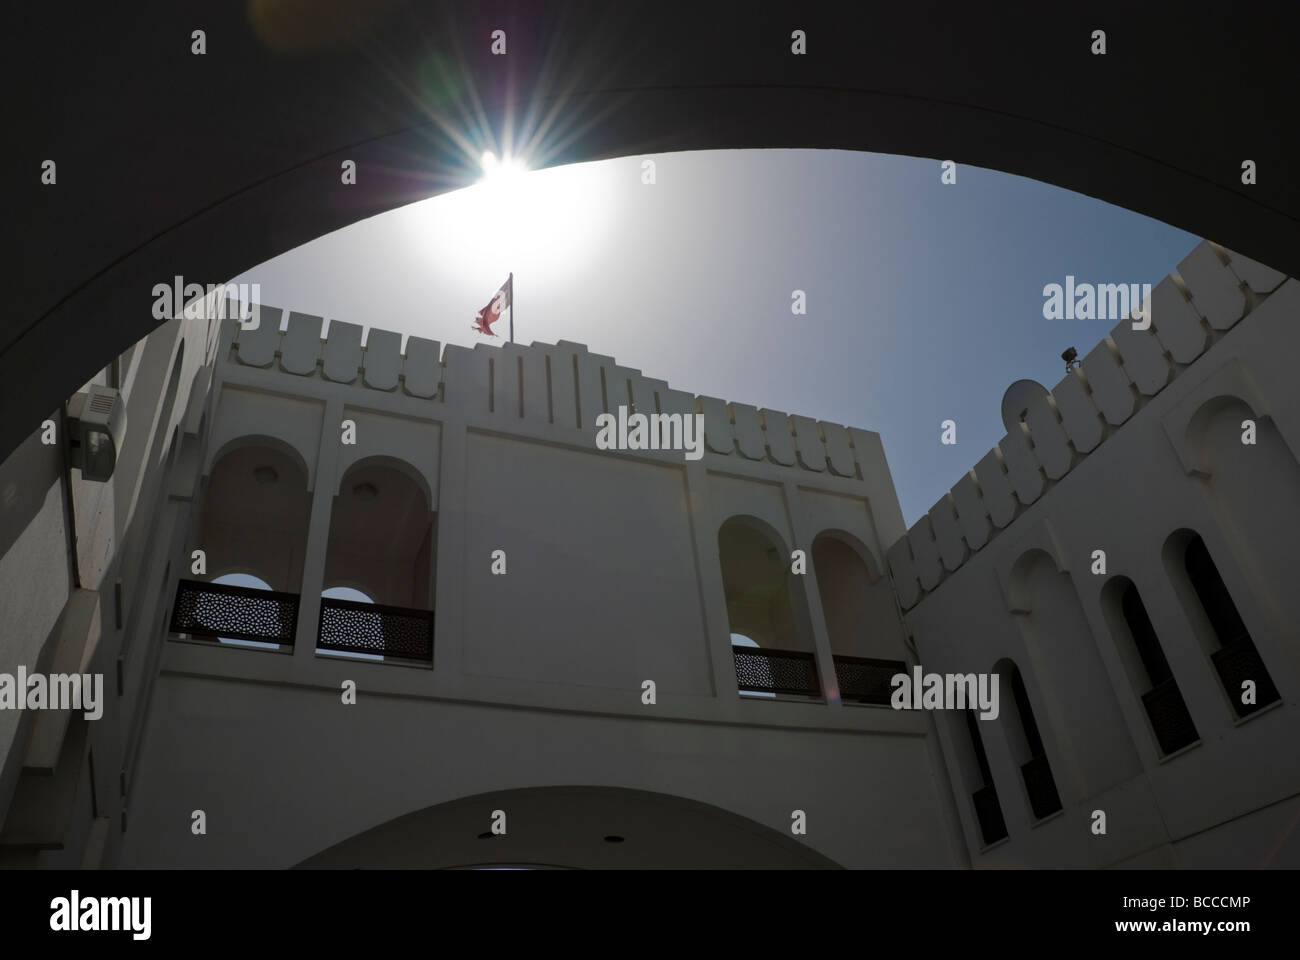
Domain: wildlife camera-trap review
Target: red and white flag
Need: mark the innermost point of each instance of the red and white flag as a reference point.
(496, 307)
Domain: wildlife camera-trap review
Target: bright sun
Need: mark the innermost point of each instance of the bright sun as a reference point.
(499, 172)
(540, 224)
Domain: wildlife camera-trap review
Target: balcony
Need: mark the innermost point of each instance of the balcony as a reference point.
(348, 626)
(989, 814)
(1041, 787)
(788, 672)
(1238, 662)
(866, 680)
(225, 612)
(1169, 717)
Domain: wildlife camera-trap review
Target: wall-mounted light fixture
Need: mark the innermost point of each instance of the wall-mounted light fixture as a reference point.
(96, 430)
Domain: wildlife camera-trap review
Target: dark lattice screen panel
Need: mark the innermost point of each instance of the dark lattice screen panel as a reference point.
(989, 814)
(1169, 717)
(1238, 662)
(776, 671)
(865, 680)
(355, 627)
(235, 613)
(1041, 787)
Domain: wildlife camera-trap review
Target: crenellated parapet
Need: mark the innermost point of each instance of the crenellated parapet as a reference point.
(1049, 433)
(562, 384)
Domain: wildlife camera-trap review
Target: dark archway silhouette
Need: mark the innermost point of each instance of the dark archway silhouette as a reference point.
(411, 92)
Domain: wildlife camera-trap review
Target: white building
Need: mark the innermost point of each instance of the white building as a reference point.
(547, 646)
(1174, 451)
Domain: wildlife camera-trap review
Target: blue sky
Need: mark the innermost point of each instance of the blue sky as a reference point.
(924, 300)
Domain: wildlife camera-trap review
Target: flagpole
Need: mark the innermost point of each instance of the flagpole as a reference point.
(512, 307)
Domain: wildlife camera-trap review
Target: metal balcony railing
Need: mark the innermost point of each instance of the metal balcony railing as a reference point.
(1169, 717)
(1237, 662)
(776, 671)
(234, 613)
(1041, 787)
(353, 627)
(989, 814)
(867, 680)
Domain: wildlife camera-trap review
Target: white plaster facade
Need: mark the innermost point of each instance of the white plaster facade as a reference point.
(630, 566)
(614, 577)
(1132, 455)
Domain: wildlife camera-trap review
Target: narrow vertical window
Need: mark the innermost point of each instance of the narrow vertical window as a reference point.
(1241, 669)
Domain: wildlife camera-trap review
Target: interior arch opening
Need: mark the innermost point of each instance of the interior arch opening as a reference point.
(591, 827)
(862, 620)
(379, 565)
(763, 606)
(252, 530)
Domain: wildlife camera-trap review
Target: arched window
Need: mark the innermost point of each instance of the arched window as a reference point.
(762, 607)
(256, 508)
(1027, 745)
(1147, 667)
(1241, 670)
(857, 603)
(988, 810)
(380, 561)
(1251, 490)
(252, 525)
(862, 621)
(1069, 672)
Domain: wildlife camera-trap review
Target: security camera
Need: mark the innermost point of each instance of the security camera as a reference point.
(96, 430)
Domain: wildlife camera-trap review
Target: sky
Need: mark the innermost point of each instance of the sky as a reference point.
(924, 300)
